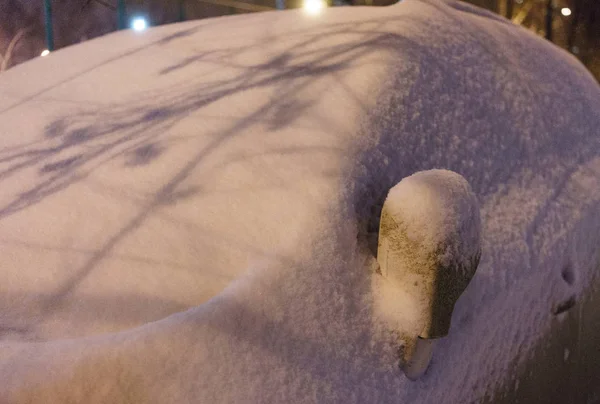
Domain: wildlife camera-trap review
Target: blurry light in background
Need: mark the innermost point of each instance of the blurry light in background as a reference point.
(313, 6)
(139, 24)
(45, 52)
(566, 11)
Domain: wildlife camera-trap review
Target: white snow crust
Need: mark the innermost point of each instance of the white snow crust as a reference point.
(185, 213)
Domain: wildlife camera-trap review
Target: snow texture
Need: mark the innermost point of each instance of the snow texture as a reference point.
(187, 214)
(440, 212)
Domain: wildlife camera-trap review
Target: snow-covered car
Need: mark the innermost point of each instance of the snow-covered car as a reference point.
(190, 214)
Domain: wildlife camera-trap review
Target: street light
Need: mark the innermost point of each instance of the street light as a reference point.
(566, 11)
(139, 24)
(313, 7)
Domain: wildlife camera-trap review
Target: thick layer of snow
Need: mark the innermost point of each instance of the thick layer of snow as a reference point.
(440, 212)
(428, 250)
(235, 167)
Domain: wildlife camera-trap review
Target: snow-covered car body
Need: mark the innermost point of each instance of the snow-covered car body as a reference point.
(188, 214)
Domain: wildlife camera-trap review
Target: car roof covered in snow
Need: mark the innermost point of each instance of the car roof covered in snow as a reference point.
(186, 212)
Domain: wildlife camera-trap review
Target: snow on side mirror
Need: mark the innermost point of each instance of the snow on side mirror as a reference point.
(429, 248)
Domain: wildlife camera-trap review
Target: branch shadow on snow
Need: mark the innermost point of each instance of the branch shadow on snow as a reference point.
(139, 132)
(437, 131)
(129, 53)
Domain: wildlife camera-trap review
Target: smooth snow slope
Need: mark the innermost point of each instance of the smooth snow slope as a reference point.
(236, 167)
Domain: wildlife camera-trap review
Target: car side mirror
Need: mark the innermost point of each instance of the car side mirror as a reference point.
(429, 246)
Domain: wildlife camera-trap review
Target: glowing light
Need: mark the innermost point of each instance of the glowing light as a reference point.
(45, 52)
(566, 11)
(139, 24)
(314, 7)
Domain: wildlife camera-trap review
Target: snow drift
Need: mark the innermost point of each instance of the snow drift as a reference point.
(188, 215)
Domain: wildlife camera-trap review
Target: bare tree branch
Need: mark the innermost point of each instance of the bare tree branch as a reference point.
(105, 4)
(523, 13)
(11, 46)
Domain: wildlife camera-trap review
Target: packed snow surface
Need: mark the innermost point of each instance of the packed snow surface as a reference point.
(187, 213)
